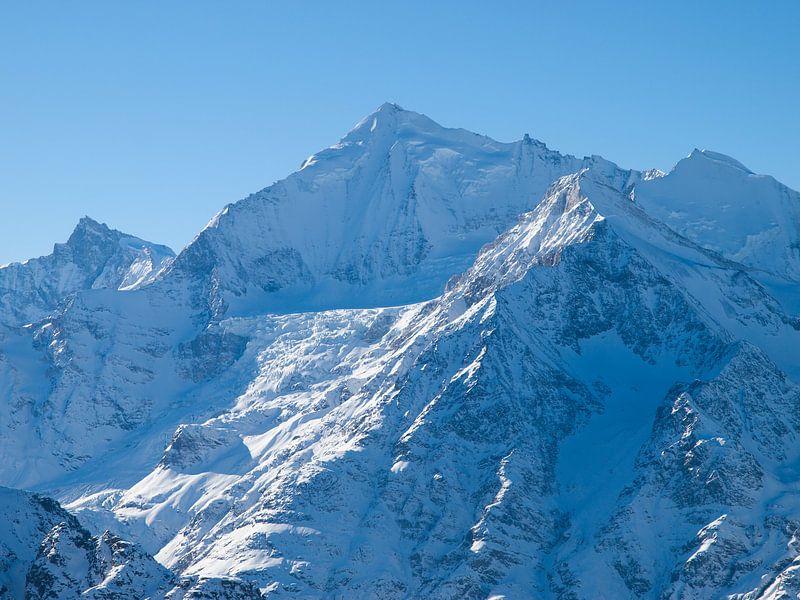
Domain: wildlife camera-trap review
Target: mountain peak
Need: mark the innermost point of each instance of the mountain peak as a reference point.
(90, 236)
(389, 107)
(89, 227)
(387, 120)
(89, 231)
(709, 157)
(718, 203)
(94, 256)
(394, 209)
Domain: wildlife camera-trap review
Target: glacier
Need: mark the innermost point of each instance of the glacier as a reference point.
(425, 365)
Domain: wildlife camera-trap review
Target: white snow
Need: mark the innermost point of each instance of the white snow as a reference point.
(429, 364)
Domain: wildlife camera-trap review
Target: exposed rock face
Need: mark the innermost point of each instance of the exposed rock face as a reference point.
(600, 402)
(48, 554)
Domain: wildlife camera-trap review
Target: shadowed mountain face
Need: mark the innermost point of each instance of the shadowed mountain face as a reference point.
(431, 365)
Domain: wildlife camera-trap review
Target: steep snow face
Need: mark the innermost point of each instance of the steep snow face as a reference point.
(93, 257)
(718, 203)
(382, 218)
(493, 442)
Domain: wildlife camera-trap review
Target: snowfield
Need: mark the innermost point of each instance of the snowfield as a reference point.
(426, 365)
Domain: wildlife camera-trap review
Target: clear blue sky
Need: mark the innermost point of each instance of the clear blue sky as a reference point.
(151, 116)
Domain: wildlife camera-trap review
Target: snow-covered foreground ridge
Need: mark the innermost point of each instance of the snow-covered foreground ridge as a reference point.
(426, 365)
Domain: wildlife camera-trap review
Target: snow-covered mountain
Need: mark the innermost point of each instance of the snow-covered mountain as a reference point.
(384, 217)
(720, 204)
(93, 257)
(432, 365)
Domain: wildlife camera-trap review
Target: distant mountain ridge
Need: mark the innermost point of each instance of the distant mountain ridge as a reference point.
(93, 257)
(720, 204)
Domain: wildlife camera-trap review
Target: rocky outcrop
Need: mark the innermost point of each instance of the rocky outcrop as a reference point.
(48, 554)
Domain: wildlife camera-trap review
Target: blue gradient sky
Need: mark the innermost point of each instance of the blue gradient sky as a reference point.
(151, 116)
